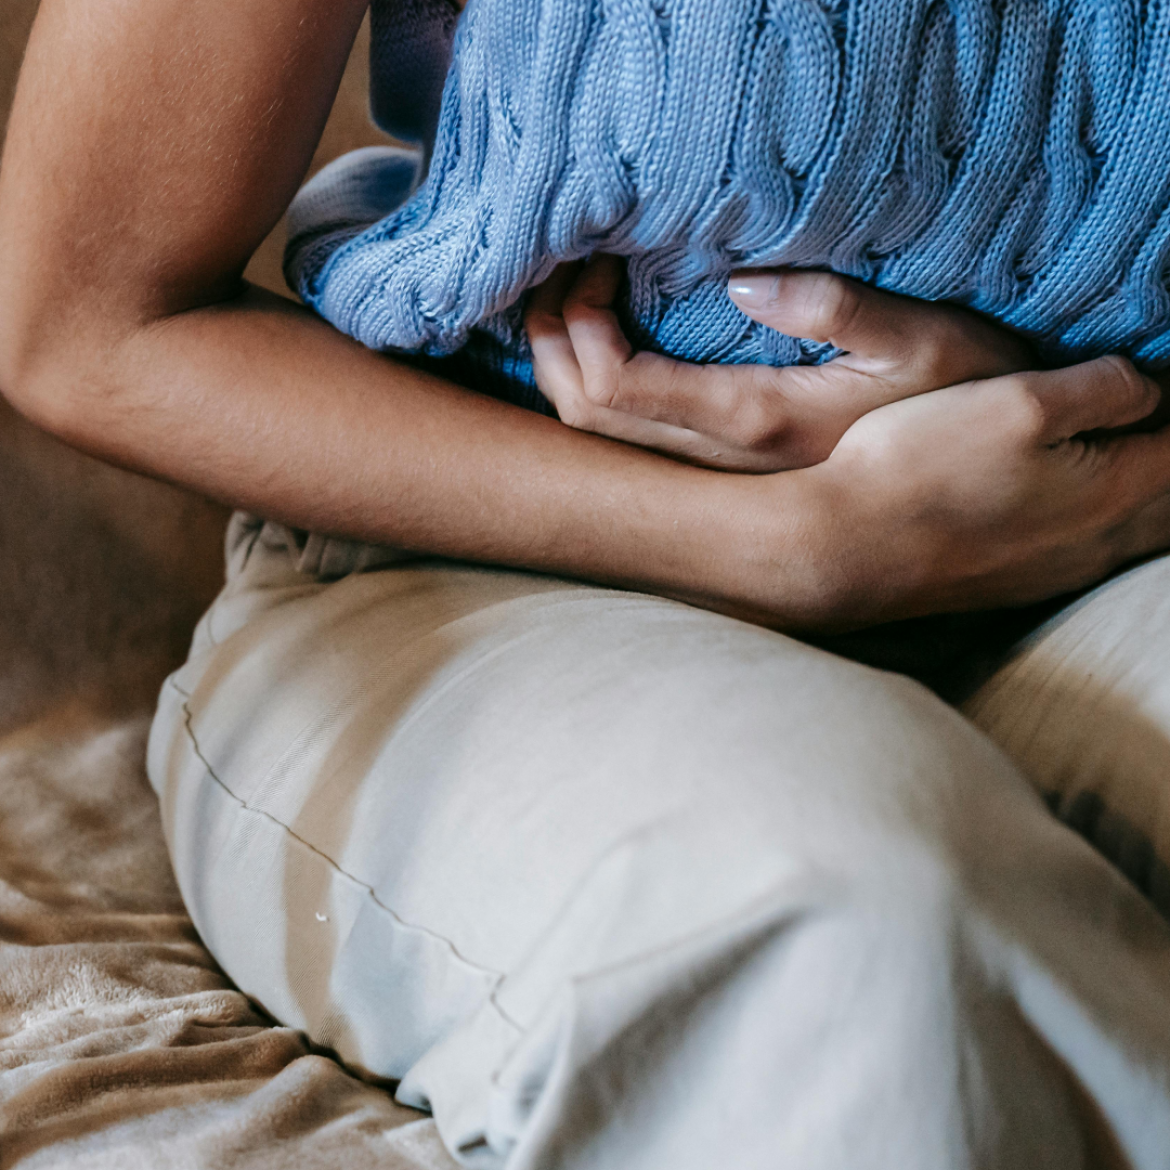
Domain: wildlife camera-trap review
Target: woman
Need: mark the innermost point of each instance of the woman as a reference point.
(604, 879)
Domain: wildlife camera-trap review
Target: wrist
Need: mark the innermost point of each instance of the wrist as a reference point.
(778, 559)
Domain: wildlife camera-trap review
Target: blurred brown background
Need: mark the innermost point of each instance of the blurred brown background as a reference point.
(103, 573)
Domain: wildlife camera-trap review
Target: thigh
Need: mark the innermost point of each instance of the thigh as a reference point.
(471, 745)
(487, 831)
(1083, 706)
(450, 733)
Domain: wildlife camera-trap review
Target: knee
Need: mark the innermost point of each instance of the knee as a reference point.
(693, 951)
(882, 855)
(853, 772)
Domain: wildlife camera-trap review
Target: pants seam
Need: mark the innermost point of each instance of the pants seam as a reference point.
(364, 886)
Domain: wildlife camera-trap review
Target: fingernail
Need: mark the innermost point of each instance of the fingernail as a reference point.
(753, 292)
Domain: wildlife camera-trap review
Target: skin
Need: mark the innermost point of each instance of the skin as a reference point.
(753, 418)
(154, 143)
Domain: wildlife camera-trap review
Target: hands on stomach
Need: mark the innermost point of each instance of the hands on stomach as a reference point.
(944, 473)
(748, 417)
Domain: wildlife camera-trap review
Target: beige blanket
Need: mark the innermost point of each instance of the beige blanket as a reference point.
(121, 1043)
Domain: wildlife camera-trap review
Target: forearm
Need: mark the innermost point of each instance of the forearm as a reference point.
(152, 146)
(260, 405)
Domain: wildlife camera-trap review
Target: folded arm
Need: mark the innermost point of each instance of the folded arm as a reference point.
(153, 145)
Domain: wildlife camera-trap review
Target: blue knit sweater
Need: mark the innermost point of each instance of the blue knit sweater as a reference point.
(1010, 155)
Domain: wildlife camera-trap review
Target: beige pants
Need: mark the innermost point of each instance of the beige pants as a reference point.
(610, 882)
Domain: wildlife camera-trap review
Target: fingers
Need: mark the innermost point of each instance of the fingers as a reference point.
(558, 373)
(1140, 478)
(1103, 394)
(583, 296)
(924, 345)
(653, 387)
(817, 305)
(744, 417)
(593, 327)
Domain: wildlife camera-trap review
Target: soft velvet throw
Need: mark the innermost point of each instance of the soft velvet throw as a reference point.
(1010, 155)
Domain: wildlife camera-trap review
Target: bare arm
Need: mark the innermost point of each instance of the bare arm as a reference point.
(152, 146)
(155, 142)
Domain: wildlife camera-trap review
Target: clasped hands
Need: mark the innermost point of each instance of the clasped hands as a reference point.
(941, 470)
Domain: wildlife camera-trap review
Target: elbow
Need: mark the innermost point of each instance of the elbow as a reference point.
(49, 366)
(69, 314)
(31, 381)
(27, 346)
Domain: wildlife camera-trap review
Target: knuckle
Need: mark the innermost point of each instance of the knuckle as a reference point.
(759, 428)
(754, 435)
(602, 391)
(1023, 409)
(968, 347)
(575, 411)
(1130, 382)
(576, 311)
(834, 303)
(933, 360)
(540, 319)
(949, 345)
(1120, 368)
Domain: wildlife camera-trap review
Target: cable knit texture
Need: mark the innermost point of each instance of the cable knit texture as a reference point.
(1011, 155)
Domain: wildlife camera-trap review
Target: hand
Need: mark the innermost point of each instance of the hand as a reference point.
(992, 493)
(753, 417)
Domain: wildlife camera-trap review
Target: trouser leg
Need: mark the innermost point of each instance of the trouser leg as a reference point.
(1083, 707)
(609, 881)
